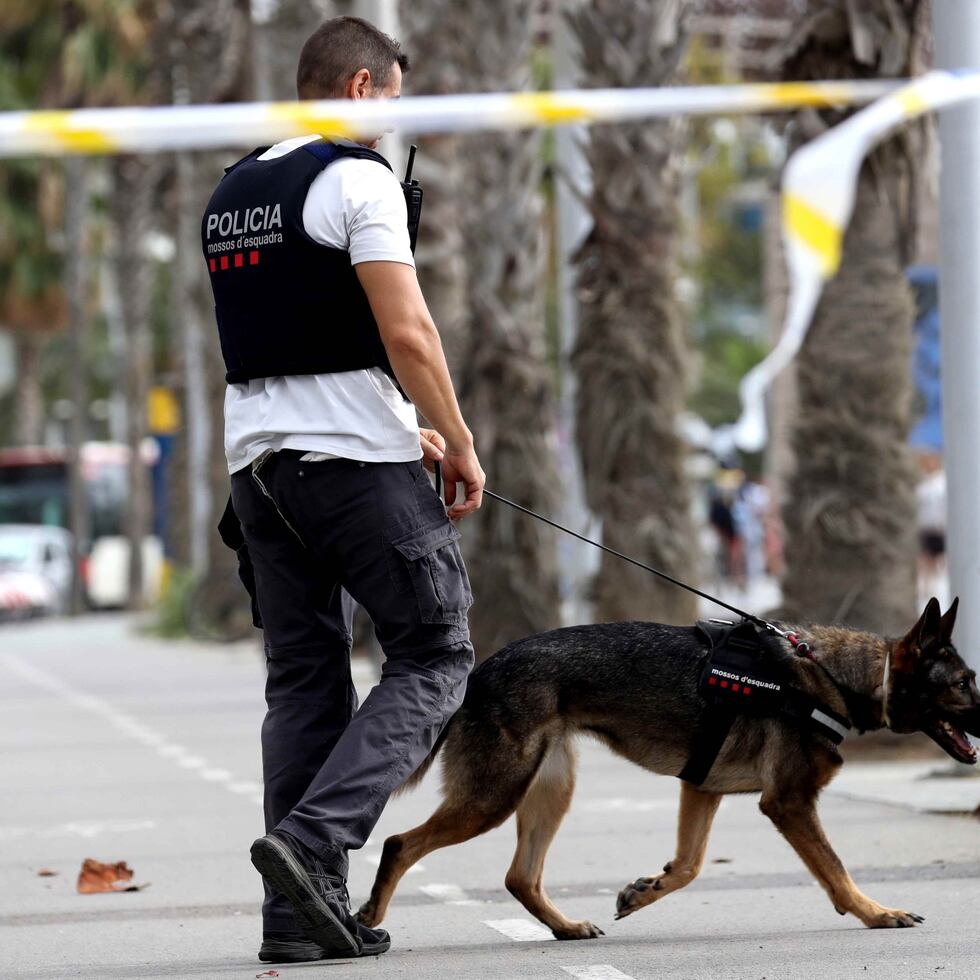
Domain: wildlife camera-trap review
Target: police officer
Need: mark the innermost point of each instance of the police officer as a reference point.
(329, 349)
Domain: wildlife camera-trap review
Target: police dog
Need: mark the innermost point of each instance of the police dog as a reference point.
(634, 686)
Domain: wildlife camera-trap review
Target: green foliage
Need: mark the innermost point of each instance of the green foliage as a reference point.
(172, 608)
(67, 53)
(726, 357)
(730, 266)
(55, 53)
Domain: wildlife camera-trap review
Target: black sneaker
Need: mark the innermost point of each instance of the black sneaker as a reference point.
(294, 947)
(318, 896)
(288, 947)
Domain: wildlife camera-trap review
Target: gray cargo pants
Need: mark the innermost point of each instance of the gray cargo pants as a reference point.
(317, 534)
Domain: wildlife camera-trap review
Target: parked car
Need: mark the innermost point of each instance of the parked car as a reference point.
(34, 489)
(35, 570)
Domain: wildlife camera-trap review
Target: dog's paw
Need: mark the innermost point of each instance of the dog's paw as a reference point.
(892, 919)
(578, 930)
(367, 914)
(638, 894)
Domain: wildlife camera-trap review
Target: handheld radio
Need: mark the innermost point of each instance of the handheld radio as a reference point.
(413, 199)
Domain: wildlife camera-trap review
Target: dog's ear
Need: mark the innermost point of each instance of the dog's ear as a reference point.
(929, 625)
(947, 623)
(923, 635)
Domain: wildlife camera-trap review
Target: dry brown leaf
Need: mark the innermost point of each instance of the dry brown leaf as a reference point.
(46, 873)
(96, 877)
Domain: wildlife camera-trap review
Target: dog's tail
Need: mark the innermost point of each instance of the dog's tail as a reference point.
(419, 774)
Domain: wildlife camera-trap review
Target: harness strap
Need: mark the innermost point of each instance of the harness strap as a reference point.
(733, 670)
(808, 713)
(708, 740)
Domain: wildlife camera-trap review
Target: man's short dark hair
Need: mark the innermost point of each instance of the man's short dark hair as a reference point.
(338, 49)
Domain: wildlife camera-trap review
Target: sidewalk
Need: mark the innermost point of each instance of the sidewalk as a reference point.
(923, 786)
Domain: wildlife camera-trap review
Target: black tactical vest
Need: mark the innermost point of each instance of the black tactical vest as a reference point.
(285, 304)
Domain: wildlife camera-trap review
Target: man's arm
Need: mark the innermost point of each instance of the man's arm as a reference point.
(415, 351)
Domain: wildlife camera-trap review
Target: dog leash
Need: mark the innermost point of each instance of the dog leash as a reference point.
(798, 645)
(639, 564)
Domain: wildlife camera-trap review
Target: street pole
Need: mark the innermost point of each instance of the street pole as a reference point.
(957, 29)
(384, 14)
(578, 563)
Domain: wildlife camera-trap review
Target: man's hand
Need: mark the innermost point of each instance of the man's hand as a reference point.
(462, 466)
(433, 448)
(415, 351)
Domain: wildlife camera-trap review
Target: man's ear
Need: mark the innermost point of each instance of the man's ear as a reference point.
(947, 623)
(359, 86)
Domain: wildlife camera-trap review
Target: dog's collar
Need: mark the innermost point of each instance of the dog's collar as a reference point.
(800, 647)
(861, 718)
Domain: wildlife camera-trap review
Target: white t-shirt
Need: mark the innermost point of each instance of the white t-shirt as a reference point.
(356, 205)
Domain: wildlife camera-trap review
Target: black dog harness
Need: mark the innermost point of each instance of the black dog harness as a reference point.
(739, 679)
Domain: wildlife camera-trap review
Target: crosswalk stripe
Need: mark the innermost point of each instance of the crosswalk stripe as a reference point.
(450, 894)
(596, 971)
(520, 930)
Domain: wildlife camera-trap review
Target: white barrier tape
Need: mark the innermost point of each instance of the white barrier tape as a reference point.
(819, 180)
(819, 184)
(249, 124)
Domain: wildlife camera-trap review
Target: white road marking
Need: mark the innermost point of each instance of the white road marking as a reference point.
(245, 788)
(520, 930)
(77, 828)
(131, 726)
(596, 971)
(216, 775)
(375, 859)
(449, 894)
(617, 803)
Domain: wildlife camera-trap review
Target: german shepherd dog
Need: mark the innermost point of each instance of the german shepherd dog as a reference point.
(634, 686)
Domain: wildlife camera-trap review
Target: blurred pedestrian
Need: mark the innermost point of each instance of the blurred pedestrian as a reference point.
(721, 516)
(931, 506)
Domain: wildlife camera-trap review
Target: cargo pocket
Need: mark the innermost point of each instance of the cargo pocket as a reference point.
(436, 570)
(230, 532)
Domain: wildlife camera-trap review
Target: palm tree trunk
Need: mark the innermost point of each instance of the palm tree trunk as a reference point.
(190, 517)
(278, 41)
(630, 354)
(76, 216)
(211, 61)
(850, 507)
(134, 179)
(438, 68)
(506, 381)
(28, 396)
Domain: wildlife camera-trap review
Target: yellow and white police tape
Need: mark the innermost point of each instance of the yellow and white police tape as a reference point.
(203, 127)
(819, 184)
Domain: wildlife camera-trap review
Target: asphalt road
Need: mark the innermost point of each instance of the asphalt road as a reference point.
(119, 747)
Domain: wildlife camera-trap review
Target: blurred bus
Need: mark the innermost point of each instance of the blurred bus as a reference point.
(34, 489)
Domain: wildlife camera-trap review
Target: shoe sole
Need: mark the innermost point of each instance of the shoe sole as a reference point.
(290, 953)
(294, 953)
(375, 949)
(278, 865)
